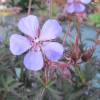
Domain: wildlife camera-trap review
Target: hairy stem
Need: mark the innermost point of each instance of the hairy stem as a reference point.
(29, 7)
(67, 33)
(50, 8)
(78, 29)
(46, 75)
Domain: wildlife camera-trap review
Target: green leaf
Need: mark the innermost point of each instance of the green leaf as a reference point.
(95, 19)
(39, 94)
(57, 95)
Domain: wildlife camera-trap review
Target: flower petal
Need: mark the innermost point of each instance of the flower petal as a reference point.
(85, 1)
(70, 8)
(79, 7)
(70, 1)
(33, 60)
(29, 25)
(19, 44)
(53, 50)
(50, 30)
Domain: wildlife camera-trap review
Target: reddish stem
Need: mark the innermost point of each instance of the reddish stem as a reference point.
(67, 33)
(46, 75)
(78, 29)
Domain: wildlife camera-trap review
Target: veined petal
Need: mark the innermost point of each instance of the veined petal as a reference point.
(29, 25)
(79, 7)
(33, 60)
(19, 44)
(51, 29)
(53, 50)
(85, 1)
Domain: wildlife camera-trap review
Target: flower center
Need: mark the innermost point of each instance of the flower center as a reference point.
(36, 40)
(36, 44)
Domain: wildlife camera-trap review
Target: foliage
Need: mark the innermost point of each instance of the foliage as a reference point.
(75, 77)
(24, 4)
(95, 19)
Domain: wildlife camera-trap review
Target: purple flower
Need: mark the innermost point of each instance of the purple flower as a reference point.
(37, 42)
(76, 6)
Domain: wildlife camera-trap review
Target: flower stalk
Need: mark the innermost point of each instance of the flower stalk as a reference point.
(67, 33)
(50, 2)
(46, 76)
(78, 26)
(29, 7)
